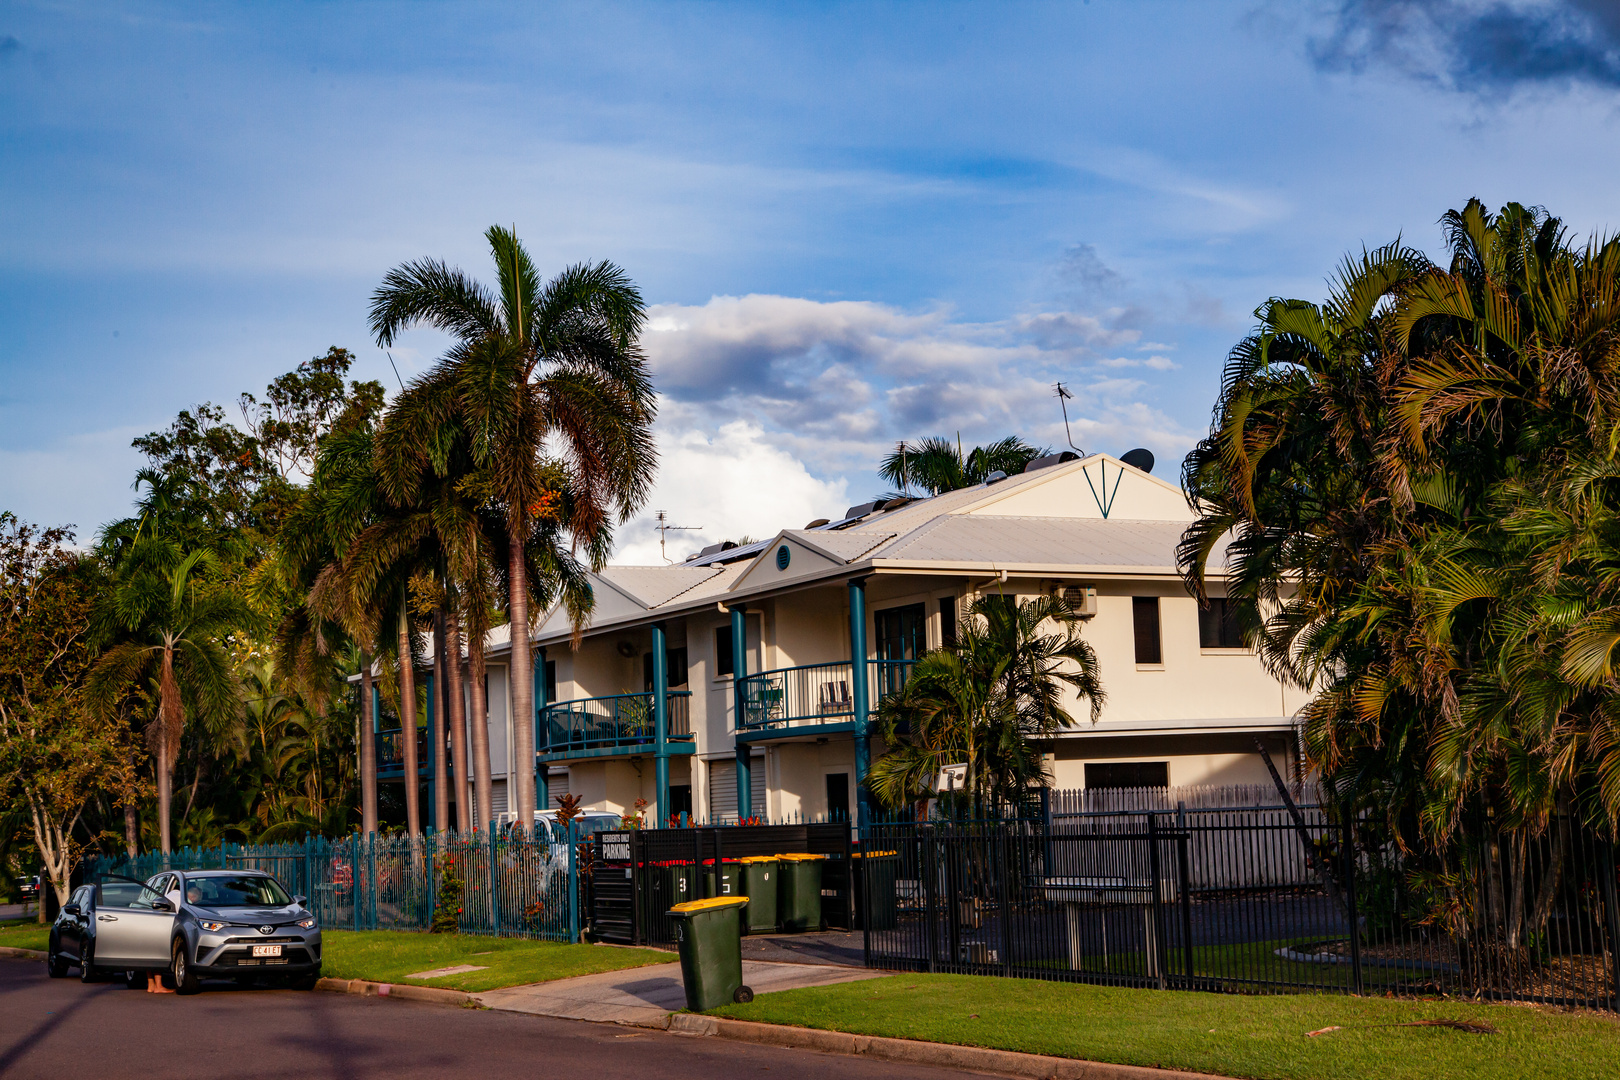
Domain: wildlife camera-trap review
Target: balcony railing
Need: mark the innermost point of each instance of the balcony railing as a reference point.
(391, 749)
(815, 693)
(622, 720)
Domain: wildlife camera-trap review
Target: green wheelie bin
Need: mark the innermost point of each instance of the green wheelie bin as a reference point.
(759, 878)
(798, 899)
(727, 881)
(874, 885)
(709, 934)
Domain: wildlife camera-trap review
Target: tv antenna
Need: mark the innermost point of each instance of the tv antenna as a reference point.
(1063, 397)
(664, 528)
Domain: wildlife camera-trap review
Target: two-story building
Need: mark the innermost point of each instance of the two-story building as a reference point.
(741, 681)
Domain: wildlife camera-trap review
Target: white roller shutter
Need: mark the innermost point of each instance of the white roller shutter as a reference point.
(723, 788)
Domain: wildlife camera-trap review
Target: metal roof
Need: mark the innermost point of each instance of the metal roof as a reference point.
(996, 541)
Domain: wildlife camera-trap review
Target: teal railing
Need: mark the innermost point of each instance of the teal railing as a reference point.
(620, 720)
(815, 693)
(512, 885)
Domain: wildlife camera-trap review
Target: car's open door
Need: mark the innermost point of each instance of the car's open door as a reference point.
(133, 924)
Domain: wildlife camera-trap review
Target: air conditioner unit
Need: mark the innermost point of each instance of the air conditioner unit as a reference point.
(1082, 599)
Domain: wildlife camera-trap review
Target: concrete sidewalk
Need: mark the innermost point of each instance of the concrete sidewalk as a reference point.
(646, 996)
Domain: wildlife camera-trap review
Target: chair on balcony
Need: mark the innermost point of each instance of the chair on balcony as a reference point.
(762, 703)
(835, 700)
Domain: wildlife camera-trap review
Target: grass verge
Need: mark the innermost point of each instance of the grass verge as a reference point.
(391, 955)
(26, 934)
(1258, 1037)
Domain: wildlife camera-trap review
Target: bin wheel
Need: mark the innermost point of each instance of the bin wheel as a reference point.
(743, 995)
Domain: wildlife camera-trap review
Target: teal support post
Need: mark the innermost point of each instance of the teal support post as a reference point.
(354, 879)
(432, 762)
(542, 793)
(857, 659)
(739, 669)
(660, 706)
(376, 709)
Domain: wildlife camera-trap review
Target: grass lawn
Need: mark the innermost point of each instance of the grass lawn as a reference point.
(391, 955)
(26, 934)
(1260, 1037)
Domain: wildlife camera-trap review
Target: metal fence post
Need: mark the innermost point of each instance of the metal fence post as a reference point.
(494, 891)
(573, 885)
(1156, 937)
(371, 843)
(1005, 862)
(1184, 893)
(354, 879)
(1612, 919)
(1350, 886)
(928, 870)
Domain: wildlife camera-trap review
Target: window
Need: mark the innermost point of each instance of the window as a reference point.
(1128, 774)
(947, 620)
(551, 680)
(675, 660)
(1145, 618)
(1217, 625)
(722, 649)
(838, 796)
(724, 662)
(901, 632)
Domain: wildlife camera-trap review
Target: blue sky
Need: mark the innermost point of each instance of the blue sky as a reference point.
(856, 223)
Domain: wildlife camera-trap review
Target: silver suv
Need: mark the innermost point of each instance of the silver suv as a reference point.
(200, 924)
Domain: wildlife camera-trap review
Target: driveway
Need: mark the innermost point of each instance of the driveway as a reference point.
(51, 1028)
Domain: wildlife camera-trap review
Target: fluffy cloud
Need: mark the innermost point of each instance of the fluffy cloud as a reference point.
(1478, 45)
(736, 482)
(776, 410)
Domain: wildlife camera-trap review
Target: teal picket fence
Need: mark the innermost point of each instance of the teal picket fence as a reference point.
(512, 886)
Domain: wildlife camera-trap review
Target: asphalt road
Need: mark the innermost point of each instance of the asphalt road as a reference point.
(59, 1028)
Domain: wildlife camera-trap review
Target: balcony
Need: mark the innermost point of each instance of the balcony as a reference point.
(391, 752)
(610, 726)
(813, 696)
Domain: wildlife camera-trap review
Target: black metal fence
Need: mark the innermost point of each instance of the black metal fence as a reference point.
(637, 875)
(1251, 901)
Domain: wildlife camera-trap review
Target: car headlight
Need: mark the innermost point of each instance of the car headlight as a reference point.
(208, 924)
(307, 924)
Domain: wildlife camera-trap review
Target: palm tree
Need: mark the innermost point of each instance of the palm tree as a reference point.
(989, 700)
(936, 466)
(165, 617)
(537, 369)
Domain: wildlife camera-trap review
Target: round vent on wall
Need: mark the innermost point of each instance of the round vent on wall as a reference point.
(783, 557)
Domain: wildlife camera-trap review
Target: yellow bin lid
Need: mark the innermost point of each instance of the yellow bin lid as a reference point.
(758, 858)
(871, 854)
(800, 858)
(709, 905)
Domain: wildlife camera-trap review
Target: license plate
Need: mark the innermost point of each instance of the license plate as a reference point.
(267, 950)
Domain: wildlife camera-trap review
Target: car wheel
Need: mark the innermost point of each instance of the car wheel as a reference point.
(185, 976)
(56, 965)
(87, 963)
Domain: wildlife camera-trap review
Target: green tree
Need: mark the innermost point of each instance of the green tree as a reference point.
(991, 700)
(936, 466)
(55, 757)
(536, 368)
(164, 616)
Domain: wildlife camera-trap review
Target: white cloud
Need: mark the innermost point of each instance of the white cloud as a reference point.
(733, 483)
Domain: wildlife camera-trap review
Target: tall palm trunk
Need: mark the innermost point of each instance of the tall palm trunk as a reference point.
(368, 751)
(479, 723)
(131, 842)
(170, 722)
(441, 757)
(407, 723)
(521, 678)
(457, 713)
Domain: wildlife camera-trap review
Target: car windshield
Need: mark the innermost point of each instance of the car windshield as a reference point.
(234, 892)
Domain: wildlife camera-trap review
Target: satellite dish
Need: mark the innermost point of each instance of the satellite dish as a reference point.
(1138, 459)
